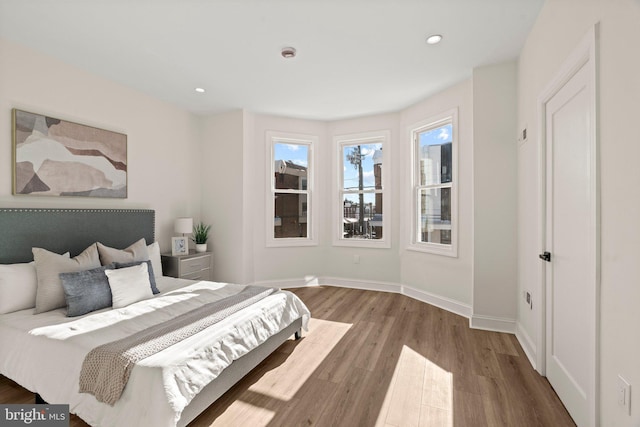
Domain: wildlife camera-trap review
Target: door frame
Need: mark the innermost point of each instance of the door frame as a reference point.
(583, 55)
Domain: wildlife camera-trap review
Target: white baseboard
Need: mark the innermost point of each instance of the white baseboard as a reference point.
(488, 323)
(367, 285)
(432, 299)
(527, 345)
(288, 283)
(441, 302)
(495, 324)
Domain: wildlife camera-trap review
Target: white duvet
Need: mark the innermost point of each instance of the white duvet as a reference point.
(44, 352)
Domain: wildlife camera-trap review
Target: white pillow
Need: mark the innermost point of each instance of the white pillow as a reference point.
(156, 261)
(18, 284)
(50, 294)
(137, 251)
(129, 285)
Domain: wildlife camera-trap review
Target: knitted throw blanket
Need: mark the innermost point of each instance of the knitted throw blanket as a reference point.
(106, 369)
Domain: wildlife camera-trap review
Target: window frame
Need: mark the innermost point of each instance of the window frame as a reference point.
(340, 141)
(310, 141)
(450, 116)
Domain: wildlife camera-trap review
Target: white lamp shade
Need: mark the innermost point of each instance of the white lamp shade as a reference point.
(183, 225)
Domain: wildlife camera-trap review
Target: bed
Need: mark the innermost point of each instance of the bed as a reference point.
(45, 352)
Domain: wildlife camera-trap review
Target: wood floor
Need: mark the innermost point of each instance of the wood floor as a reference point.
(382, 359)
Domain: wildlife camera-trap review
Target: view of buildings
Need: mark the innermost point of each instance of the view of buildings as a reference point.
(434, 184)
(290, 208)
(361, 190)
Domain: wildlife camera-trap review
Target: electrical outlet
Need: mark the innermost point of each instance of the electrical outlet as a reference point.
(624, 394)
(527, 297)
(356, 259)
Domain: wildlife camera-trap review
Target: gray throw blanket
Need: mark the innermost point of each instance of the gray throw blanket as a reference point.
(106, 369)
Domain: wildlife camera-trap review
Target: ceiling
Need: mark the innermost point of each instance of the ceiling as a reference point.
(355, 57)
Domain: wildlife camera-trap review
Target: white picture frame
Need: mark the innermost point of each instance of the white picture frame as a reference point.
(179, 246)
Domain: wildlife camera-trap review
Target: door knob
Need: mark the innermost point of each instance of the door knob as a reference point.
(545, 256)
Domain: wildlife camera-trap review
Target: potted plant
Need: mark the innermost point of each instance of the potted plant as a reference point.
(200, 236)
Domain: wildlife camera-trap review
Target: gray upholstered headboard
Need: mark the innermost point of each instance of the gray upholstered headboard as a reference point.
(72, 230)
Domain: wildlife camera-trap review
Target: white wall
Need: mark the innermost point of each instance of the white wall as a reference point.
(295, 263)
(223, 193)
(163, 141)
(426, 275)
(446, 277)
(249, 198)
(560, 26)
(378, 265)
(494, 196)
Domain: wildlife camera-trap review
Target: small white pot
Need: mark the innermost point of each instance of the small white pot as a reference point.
(201, 247)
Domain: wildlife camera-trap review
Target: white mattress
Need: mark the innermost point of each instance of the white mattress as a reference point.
(44, 352)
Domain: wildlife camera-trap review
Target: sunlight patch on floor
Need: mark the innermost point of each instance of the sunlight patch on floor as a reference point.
(284, 381)
(431, 407)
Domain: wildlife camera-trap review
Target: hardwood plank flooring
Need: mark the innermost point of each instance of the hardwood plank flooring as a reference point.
(381, 359)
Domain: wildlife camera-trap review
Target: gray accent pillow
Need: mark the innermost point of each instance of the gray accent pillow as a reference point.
(86, 291)
(152, 277)
(49, 265)
(136, 252)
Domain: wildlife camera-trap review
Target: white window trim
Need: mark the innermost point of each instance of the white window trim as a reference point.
(311, 141)
(339, 141)
(412, 217)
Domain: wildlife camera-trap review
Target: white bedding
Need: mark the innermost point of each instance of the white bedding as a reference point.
(44, 352)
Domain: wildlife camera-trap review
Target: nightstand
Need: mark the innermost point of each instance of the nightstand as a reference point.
(195, 266)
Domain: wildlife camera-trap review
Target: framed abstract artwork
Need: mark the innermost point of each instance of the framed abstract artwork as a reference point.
(53, 157)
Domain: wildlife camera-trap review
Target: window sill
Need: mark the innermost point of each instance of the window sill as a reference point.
(435, 249)
(363, 243)
(291, 243)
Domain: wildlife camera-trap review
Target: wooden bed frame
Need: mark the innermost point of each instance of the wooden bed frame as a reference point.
(62, 230)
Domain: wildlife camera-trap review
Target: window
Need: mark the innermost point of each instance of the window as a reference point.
(362, 211)
(290, 190)
(434, 220)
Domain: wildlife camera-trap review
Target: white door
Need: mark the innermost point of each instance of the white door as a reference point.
(570, 243)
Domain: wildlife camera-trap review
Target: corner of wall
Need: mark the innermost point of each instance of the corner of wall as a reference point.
(495, 197)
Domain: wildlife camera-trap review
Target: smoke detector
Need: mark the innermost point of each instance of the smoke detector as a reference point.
(288, 52)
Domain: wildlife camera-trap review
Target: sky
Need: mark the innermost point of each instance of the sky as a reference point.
(350, 172)
(297, 153)
(437, 136)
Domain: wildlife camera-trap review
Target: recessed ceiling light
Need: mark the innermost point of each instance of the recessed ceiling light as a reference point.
(288, 52)
(434, 39)
(200, 90)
